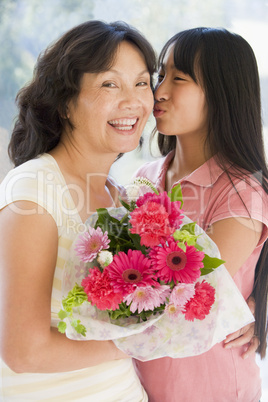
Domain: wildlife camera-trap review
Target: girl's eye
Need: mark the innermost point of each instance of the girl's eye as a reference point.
(160, 78)
(179, 79)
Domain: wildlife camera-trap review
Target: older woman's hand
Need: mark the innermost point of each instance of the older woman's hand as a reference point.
(244, 336)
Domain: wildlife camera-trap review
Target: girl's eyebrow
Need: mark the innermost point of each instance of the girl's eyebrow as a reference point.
(163, 66)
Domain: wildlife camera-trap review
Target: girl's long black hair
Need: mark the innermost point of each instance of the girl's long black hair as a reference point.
(228, 72)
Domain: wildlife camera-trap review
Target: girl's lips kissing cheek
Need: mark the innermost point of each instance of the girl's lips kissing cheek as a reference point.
(127, 124)
(158, 112)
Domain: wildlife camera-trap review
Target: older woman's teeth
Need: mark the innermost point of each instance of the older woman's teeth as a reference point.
(123, 124)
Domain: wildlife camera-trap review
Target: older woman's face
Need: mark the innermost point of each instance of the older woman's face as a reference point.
(113, 106)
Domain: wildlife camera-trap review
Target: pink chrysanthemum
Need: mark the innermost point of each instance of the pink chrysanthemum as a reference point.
(147, 298)
(172, 263)
(199, 306)
(181, 293)
(151, 222)
(91, 243)
(173, 208)
(99, 290)
(173, 311)
(127, 271)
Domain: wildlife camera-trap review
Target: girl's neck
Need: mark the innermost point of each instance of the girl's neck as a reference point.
(189, 155)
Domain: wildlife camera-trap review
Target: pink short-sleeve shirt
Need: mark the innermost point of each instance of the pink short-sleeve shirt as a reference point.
(219, 375)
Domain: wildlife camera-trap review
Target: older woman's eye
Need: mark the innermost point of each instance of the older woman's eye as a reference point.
(142, 84)
(109, 85)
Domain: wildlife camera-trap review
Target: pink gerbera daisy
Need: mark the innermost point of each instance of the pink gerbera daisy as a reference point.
(99, 290)
(147, 298)
(127, 271)
(199, 306)
(151, 222)
(172, 311)
(173, 208)
(181, 293)
(172, 263)
(91, 243)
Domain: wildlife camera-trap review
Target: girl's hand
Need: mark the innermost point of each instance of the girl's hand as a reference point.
(244, 336)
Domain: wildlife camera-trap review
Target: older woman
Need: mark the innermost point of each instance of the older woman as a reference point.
(88, 101)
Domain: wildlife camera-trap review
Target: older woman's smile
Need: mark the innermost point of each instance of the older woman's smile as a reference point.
(124, 124)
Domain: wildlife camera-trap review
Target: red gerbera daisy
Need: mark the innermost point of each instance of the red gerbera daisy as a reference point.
(199, 306)
(127, 271)
(172, 263)
(99, 290)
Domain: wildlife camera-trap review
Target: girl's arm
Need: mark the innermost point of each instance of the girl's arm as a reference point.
(236, 239)
(28, 253)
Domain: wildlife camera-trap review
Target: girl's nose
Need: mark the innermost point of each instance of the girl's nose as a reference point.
(161, 92)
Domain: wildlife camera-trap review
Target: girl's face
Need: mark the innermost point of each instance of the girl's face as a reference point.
(180, 105)
(113, 106)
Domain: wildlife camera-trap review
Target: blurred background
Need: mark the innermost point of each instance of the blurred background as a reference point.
(28, 26)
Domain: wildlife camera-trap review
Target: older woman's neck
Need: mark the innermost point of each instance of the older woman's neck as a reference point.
(82, 163)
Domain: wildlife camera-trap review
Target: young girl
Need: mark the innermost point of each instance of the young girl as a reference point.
(208, 114)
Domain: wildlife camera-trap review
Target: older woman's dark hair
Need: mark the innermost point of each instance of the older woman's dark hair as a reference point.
(224, 64)
(88, 48)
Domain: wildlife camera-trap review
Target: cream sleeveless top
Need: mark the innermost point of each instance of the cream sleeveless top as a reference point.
(41, 181)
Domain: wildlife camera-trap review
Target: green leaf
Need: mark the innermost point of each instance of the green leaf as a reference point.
(75, 298)
(181, 245)
(62, 327)
(63, 314)
(117, 230)
(176, 194)
(122, 312)
(212, 262)
(190, 227)
(125, 219)
(80, 328)
(205, 271)
(185, 236)
(127, 206)
(137, 243)
(105, 219)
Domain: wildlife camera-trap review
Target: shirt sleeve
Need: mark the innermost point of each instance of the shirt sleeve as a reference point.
(245, 199)
(30, 185)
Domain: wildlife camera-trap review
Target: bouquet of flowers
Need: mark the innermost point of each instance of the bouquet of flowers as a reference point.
(142, 280)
